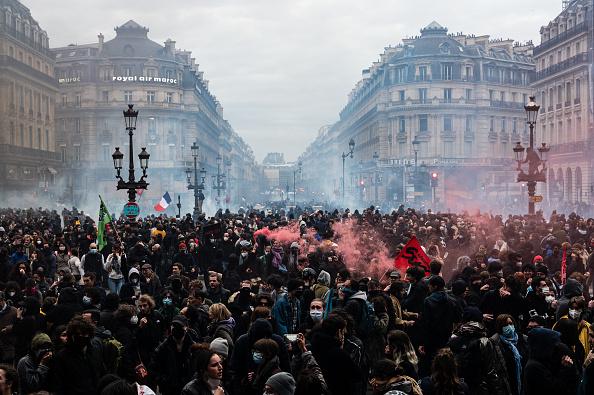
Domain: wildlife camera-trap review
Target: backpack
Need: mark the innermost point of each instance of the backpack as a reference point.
(112, 354)
(366, 321)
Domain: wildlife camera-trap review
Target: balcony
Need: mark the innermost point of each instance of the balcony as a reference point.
(7, 61)
(468, 135)
(29, 153)
(576, 100)
(549, 108)
(582, 58)
(507, 104)
(558, 106)
(567, 103)
(577, 29)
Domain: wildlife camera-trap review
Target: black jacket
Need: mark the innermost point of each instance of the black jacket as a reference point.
(170, 368)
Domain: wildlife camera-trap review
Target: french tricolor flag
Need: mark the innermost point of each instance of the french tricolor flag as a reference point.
(164, 203)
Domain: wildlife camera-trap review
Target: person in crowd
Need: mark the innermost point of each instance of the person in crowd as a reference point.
(170, 366)
(287, 309)
(444, 376)
(209, 374)
(114, 266)
(281, 383)
(94, 262)
(400, 350)
(78, 367)
(9, 380)
(221, 324)
(266, 361)
(514, 348)
(386, 378)
(34, 368)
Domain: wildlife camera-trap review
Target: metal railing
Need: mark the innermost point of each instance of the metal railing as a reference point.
(562, 66)
(577, 29)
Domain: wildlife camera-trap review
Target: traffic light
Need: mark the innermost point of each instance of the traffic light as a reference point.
(434, 182)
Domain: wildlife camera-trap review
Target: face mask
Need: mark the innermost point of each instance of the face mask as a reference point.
(226, 238)
(178, 332)
(134, 320)
(257, 357)
(93, 250)
(574, 314)
(86, 300)
(62, 248)
(244, 254)
(316, 315)
(549, 299)
(11, 293)
(544, 290)
(134, 281)
(508, 331)
(167, 302)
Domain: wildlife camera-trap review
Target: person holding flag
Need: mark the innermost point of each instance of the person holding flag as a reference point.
(102, 225)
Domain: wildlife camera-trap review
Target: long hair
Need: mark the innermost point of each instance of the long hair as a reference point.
(444, 373)
(402, 348)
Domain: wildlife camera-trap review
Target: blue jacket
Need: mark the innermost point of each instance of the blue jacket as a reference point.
(282, 312)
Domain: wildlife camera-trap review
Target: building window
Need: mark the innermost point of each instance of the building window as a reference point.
(30, 136)
(150, 96)
(468, 94)
(128, 96)
(559, 95)
(423, 126)
(447, 95)
(401, 125)
(515, 125)
(491, 95)
(12, 134)
(105, 96)
(401, 96)
(578, 89)
(578, 128)
(502, 96)
(492, 124)
(64, 100)
(63, 154)
(77, 125)
(577, 48)
(468, 123)
(447, 123)
(77, 101)
(22, 135)
(47, 140)
(169, 98)
(39, 138)
(127, 71)
(568, 93)
(503, 124)
(468, 73)
(468, 148)
(422, 73)
(76, 155)
(423, 95)
(446, 72)
(172, 152)
(105, 154)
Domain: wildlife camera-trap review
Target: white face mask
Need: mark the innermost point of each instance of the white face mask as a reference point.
(574, 314)
(544, 290)
(549, 299)
(134, 320)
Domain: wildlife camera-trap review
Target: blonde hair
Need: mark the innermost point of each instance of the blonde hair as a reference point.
(219, 312)
(148, 300)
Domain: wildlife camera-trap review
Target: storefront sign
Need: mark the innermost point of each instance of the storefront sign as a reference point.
(68, 80)
(142, 78)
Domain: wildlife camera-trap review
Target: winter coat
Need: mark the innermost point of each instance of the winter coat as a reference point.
(7, 339)
(93, 262)
(479, 362)
(33, 377)
(222, 329)
(170, 370)
(341, 374)
(282, 312)
(77, 372)
(437, 321)
(197, 387)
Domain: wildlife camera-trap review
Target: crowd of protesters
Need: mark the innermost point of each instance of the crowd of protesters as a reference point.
(223, 306)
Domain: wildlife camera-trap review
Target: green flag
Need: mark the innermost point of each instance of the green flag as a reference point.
(104, 219)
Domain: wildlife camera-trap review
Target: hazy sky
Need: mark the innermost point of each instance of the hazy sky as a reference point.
(283, 68)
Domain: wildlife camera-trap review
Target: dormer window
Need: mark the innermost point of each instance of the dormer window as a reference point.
(445, 48)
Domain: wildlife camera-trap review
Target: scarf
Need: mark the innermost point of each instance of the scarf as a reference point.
(511, 343)
(277, 259)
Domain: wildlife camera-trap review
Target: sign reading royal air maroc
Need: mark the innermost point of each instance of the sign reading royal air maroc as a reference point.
(142, 78)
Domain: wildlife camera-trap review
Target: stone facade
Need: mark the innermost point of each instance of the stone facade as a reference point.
(175, 106)
(27, 97)
(564, 91)
(461, 96)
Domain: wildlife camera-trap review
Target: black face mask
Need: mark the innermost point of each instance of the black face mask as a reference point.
(178, 332)
(245, 290)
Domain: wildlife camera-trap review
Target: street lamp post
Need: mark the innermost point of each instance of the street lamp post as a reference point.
(197, 187)
(344, 156)
(131, 116)
(294, 187)
(533, 159)
(220, 180)
(178, 206)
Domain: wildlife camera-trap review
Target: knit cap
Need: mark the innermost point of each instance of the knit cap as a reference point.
(220, 346)
(282, 383)
(40, 340)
